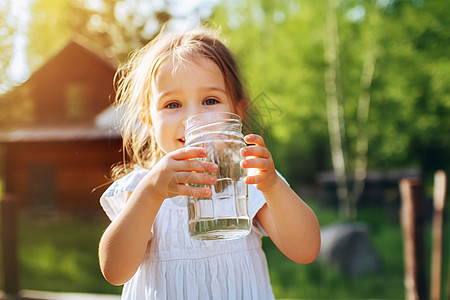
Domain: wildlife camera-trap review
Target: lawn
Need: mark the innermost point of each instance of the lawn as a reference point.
(60, 254)
(318, 281)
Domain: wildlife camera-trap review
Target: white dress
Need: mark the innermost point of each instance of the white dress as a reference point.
(176, 266)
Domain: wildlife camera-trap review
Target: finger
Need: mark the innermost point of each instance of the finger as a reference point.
(257, 151)
(185, 190)
(195, 178)
(255, 179)
(255, 139)
(257, 163)
(188, 153)
(196, 166)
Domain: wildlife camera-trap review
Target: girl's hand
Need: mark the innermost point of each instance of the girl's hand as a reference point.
(259, 158)
(168, 178)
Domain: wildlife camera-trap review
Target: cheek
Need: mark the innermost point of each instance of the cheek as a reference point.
(161, 139)
(161, 130)
(164, 130)
(227, 107)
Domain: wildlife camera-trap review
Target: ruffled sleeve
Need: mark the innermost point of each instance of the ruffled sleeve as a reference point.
(114, 198)
(256, 201)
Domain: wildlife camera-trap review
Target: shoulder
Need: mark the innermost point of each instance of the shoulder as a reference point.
(114, 198)
(127, 183)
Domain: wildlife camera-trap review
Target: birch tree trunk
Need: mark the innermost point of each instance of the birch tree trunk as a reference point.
(362, 139)
(336, 128)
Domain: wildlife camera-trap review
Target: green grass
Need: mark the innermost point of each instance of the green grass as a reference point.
(318, 281)
(60, 254)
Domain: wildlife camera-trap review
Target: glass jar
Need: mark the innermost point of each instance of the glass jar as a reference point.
(225, 214)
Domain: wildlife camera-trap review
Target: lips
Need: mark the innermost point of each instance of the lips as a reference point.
(182, 140)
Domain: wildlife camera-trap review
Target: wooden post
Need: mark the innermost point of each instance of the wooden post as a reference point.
(438, 217)
(412, 217)
(8, 210)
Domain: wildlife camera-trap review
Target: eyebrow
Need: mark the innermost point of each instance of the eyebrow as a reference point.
(206, 89)
(215, 88)
(167, 92)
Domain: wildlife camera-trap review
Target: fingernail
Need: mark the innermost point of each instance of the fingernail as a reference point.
(244, 151)
(207, 193)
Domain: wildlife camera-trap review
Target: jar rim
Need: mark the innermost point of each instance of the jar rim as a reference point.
(211, 117)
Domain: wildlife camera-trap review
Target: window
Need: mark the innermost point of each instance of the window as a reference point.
(75, 101)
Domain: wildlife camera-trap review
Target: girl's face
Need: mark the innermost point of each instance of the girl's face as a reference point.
(188, 90)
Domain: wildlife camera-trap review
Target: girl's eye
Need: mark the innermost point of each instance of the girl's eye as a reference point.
(210, 101)
(173, 105)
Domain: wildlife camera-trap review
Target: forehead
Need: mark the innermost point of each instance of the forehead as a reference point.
(175, 72)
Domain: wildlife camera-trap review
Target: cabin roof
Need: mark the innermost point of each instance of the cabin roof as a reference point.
(82, 132)
(81, 44)
(100, 125)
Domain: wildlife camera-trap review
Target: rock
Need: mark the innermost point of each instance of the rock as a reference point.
(348, 247)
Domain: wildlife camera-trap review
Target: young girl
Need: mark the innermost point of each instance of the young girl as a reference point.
(147, 246)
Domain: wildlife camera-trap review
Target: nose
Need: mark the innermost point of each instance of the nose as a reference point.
(191, 111)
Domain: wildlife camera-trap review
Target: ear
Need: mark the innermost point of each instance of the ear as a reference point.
(241, 108)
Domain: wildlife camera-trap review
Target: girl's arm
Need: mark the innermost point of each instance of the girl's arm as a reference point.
(123, 245)
(288, 221)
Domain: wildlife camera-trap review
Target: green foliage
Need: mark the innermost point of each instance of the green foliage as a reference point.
(409, 94)
(48, 30)
(280, 47)
(7, 31)
(61, 255)
(115, 26)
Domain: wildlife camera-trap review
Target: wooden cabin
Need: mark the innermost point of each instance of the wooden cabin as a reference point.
(58, 146)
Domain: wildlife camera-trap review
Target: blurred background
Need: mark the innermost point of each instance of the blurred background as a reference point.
(352, 96)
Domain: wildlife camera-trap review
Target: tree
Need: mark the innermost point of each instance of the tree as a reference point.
(391, 62)
(8, 28)
(54, 22)
(348, 197)
(335, 109)
(415, 65)
(278, 45)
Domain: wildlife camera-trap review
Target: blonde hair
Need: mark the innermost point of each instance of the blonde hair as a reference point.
(134, 80)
